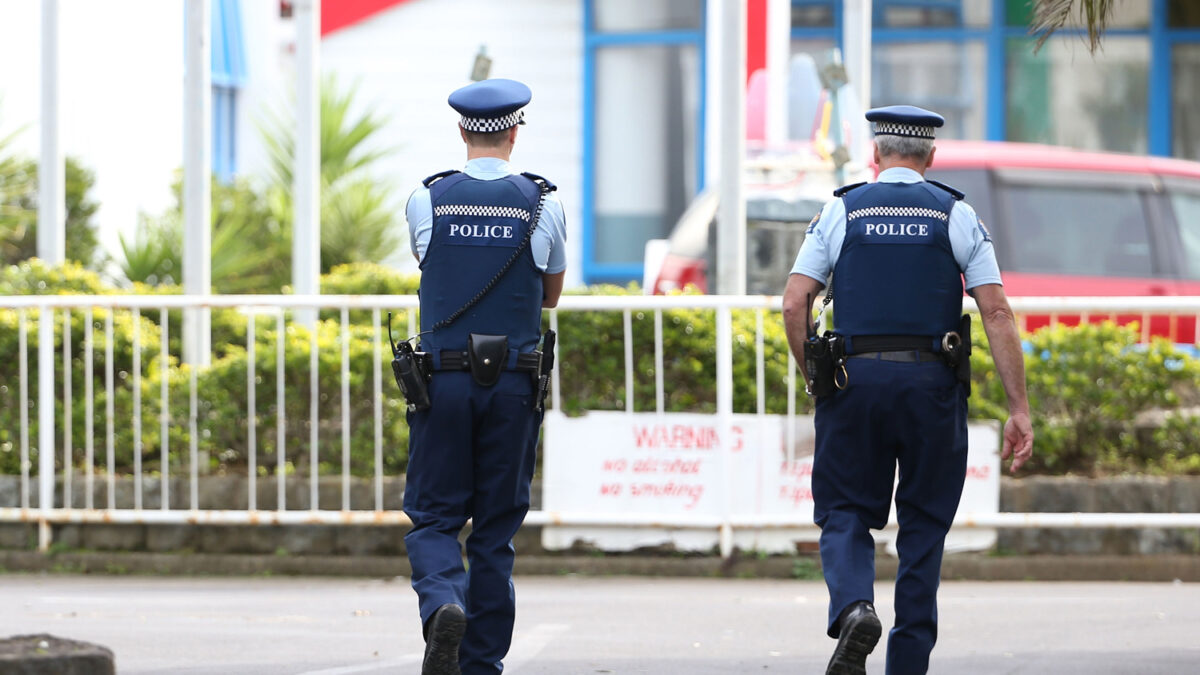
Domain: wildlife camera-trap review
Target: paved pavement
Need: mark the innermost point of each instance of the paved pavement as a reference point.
(581, 625)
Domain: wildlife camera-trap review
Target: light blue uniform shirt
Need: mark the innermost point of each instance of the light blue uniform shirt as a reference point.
(969, 239)
(548, 243)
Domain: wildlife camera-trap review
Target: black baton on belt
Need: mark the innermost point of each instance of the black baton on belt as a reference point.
(544, 371)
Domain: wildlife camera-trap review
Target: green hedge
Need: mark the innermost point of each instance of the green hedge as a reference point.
(221, 388)
(592, 359)
(1088, 386)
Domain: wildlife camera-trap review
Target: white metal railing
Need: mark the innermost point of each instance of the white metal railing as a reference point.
(48, 510)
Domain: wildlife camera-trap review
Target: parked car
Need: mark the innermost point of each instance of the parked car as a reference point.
(1064, 222)
(783, 193)
(1071, 223)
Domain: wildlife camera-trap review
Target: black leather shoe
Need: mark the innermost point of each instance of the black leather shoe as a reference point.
(859, 633)
(442, 638)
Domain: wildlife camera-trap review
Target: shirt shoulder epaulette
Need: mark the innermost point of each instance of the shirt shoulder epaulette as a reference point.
(438, 176)
(846, 188)
(550, 187)
(958, 196)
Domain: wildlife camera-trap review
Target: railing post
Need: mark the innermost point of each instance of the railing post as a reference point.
(627, 321)
(197, 180)
(725, 419)
(45, 424)
(314, 413)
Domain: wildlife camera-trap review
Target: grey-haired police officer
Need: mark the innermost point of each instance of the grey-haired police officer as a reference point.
(899, 250)
(471, 453)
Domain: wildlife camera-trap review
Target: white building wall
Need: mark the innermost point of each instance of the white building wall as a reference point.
(121, 79)
(270, 82)
(122, 84)
(407, 60)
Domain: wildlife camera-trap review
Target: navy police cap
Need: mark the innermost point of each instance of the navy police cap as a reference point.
(491, 105)
(904, 120)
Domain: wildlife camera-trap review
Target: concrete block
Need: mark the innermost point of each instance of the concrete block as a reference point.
(10, 491)
(1131, 494)
(369, 541)
(1183, 494)
(103, 537)
(44, 654)
(167, 538)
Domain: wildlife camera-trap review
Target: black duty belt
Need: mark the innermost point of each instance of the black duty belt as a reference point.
(893, 343)
(527, 362)
(904, 356)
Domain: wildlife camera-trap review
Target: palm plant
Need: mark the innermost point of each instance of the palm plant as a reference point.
(147, 258)
(1051, 15)
(252, 228)
(248, 251)
(358, 221)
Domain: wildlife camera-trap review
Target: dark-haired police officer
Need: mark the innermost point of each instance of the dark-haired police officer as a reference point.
(899, 250)
(471, 453)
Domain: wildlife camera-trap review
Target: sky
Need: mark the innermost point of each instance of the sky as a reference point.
(111, 55)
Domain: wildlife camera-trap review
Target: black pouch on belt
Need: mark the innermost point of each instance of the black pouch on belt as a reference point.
(963, 368)
(487, 355)
(819, 365)
(412, 373)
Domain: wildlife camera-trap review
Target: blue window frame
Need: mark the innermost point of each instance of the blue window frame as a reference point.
(612, 242)
(995, 39)
(228, 75)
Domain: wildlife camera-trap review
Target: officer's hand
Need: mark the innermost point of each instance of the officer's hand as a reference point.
(1018, 440)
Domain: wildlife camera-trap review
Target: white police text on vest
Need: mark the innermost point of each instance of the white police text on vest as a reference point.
(481, 231)
(897, 229)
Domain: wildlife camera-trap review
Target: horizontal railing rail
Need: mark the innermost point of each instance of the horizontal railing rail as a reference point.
(76, 478)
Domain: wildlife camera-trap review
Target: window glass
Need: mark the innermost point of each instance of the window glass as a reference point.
(1183, 13)
(810, 14)
(1018, 12)
(635, 15)
(1064, 96)
(976, 186)
(1093, 231)
(1185, 91)
(771, 247)
(1187, 214)
(971, 182)
(947, 77)
(932, 13)
(816, 48)
(646, 99)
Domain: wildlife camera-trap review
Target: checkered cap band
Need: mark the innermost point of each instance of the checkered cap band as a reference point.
(480, 211)
(896, 129)
(899, 212)
(490, 124)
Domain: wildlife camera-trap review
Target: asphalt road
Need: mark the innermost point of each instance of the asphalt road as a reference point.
(574, 625)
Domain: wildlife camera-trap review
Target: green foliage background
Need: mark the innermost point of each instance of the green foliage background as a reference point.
(19, 206)
(1091, 387)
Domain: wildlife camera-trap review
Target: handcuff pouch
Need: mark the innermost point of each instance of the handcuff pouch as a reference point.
(487, 356)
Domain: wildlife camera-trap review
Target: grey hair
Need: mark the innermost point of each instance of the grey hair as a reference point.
(904, 146)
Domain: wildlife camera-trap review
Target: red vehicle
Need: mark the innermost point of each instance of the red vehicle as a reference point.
(1071, 223)
(1065, 223)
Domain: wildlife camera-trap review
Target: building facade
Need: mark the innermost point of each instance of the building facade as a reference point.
(625, 91)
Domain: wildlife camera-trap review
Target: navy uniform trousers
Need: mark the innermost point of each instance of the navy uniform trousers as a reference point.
(914, 415)
(471, 455)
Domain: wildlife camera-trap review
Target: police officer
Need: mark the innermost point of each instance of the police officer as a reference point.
(471, 453)
(899, 250)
